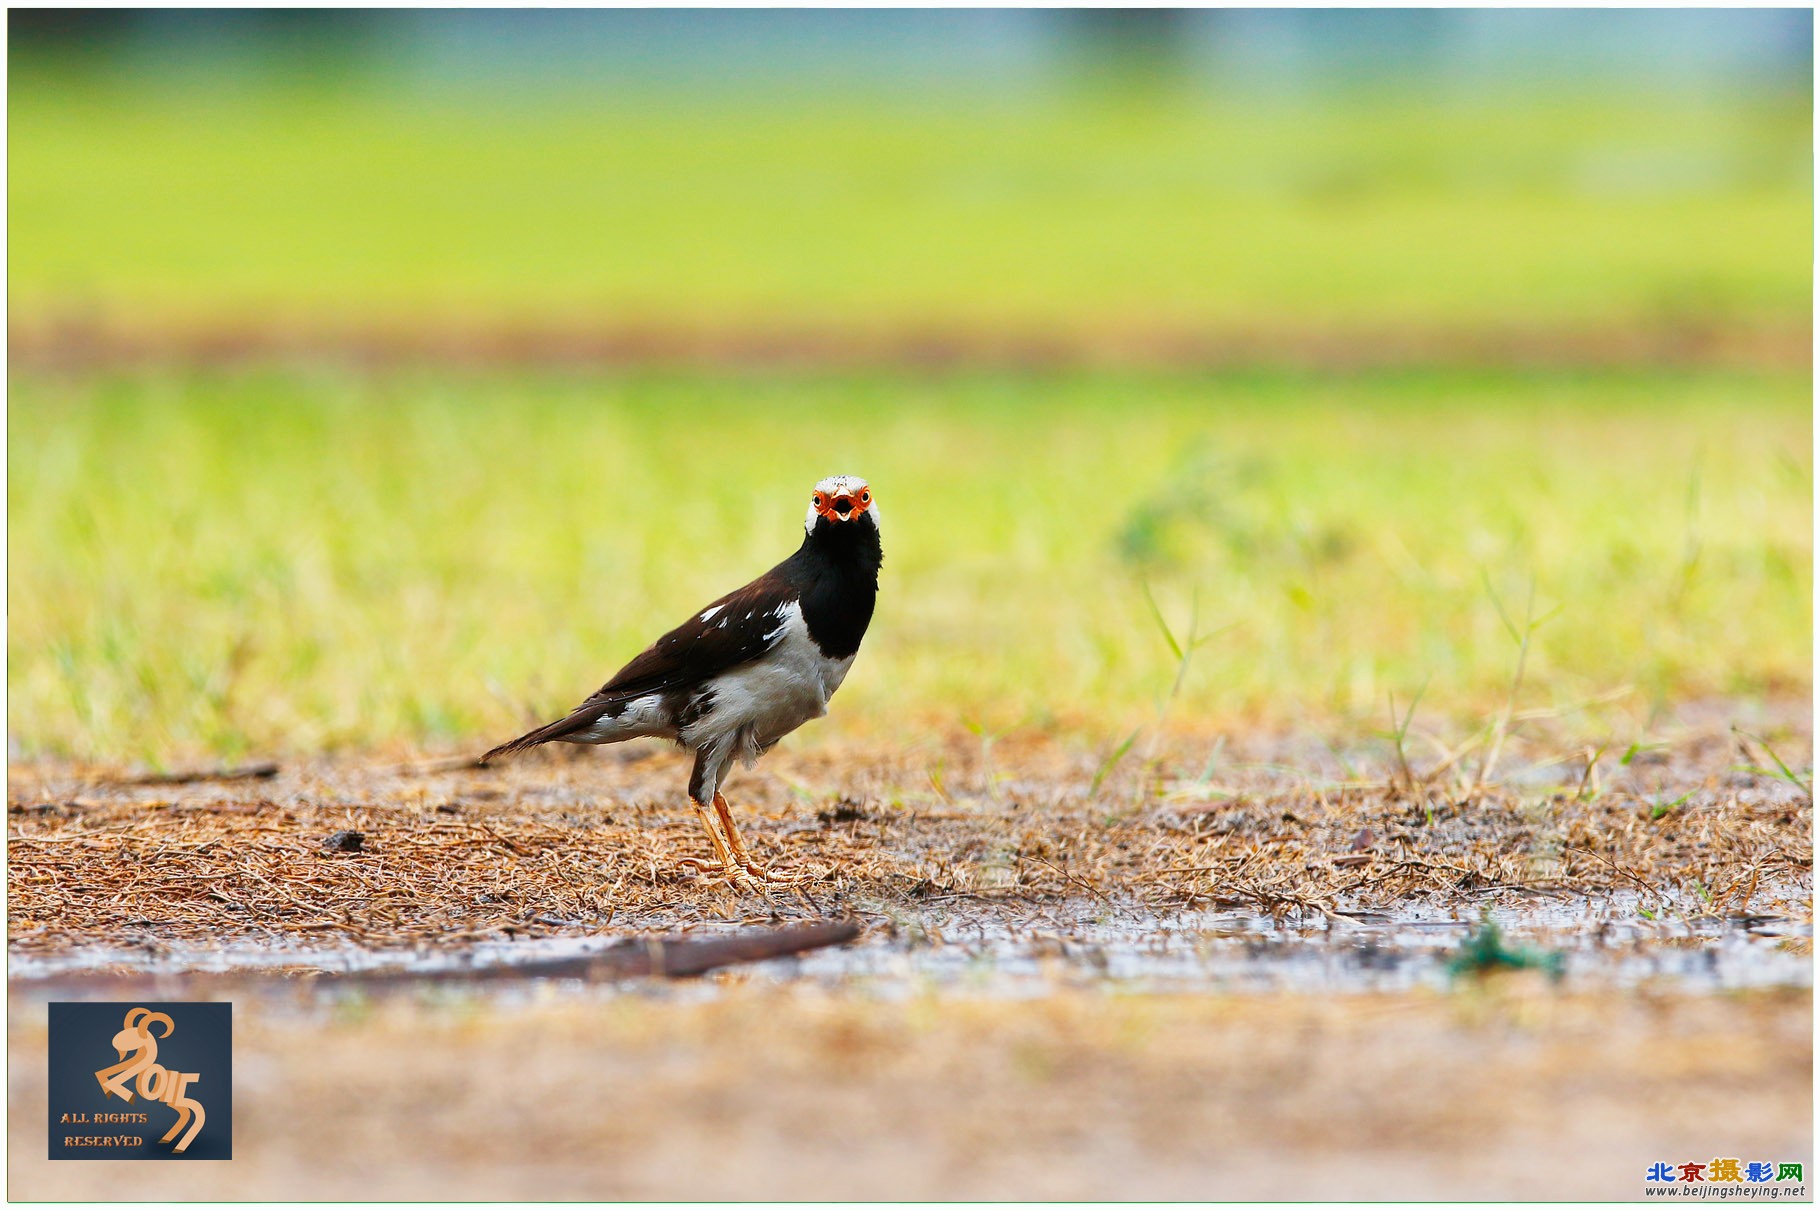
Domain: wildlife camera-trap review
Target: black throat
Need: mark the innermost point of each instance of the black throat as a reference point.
(836, 575)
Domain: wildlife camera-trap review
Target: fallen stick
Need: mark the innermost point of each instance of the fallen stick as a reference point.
(242, 773)
(445, 764)
(677, 956)
(668, 956)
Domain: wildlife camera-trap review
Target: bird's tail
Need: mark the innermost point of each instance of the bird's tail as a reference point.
(544, 734)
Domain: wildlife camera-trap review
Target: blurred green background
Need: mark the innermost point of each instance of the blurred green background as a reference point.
(389, 378)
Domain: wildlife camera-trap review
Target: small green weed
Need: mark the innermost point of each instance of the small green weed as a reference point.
(1484, 952)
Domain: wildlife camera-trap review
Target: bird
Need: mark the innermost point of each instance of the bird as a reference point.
(747, 669)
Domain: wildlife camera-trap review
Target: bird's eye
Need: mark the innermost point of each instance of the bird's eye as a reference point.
(818, 499)
(865, 497)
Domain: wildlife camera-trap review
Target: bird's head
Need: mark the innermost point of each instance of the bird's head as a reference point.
(841, 500)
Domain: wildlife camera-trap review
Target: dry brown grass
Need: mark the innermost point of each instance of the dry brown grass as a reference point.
(767, 1092)
(595, 841)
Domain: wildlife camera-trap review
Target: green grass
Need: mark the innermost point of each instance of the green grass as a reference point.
(283, 561)
(159, 206)
(293, 560)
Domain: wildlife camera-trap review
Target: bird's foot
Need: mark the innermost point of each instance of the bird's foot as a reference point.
(723, 871)
(749, 873)
(790, 876)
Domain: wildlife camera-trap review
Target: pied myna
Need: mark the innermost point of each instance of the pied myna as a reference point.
(750, 668)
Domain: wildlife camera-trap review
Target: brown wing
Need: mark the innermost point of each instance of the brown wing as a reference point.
(739, 627)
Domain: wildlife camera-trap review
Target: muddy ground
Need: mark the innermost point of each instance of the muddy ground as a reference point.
(1228, 977)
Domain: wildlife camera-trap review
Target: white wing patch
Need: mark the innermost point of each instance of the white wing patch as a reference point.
(708, 613)
(783, 618)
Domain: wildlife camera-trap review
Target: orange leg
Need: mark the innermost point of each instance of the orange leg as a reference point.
(723, 858)
(745, 859)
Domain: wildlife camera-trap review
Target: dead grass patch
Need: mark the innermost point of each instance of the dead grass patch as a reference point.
(346, 852)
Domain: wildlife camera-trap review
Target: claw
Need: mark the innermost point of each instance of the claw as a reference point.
(795, 876)
(727, 871)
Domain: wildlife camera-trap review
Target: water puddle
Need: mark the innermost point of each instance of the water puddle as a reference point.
(1611, 942)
